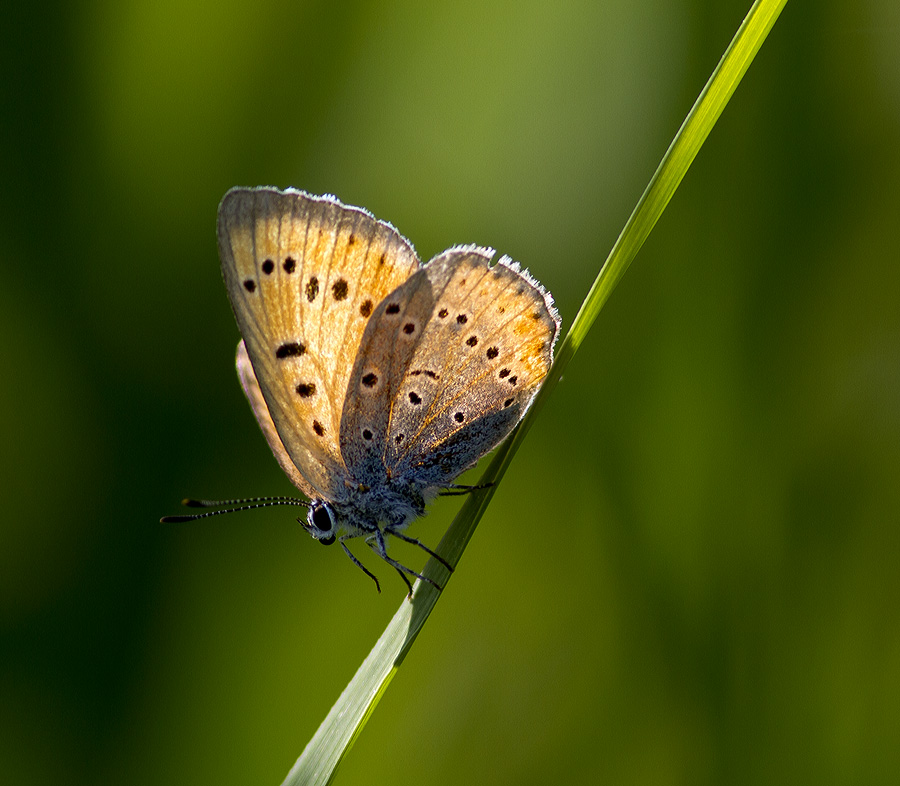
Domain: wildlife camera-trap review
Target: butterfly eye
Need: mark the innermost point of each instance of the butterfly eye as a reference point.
(321, 520)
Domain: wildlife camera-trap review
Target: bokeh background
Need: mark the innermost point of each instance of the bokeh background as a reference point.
(690, 574)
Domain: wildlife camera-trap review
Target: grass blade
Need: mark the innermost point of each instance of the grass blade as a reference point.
(322, 756)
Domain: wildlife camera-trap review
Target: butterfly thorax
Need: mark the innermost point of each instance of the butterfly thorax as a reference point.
(384, 504)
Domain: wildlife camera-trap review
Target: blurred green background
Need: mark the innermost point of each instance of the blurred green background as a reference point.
(690, 574)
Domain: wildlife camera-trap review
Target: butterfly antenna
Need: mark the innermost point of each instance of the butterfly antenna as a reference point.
(218, 503)
(251, 503)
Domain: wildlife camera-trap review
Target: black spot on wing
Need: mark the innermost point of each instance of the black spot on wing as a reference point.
(340, 289)
(292, 349)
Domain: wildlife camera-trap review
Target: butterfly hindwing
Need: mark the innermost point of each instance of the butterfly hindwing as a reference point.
(463, 353)
(382, 362)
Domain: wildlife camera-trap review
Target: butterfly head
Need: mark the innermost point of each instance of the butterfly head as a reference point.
(321, 523)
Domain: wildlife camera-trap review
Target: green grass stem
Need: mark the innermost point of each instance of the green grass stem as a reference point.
(337, 733)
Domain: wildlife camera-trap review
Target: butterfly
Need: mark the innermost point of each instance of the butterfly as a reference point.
(375, 379)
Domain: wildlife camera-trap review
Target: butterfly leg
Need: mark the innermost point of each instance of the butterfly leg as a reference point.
(377, 544)
(454, 490)
(405, 581)
(362, 567)
(389, 531)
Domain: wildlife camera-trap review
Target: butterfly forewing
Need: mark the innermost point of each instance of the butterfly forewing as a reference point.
(254, 395)
(304, 274)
